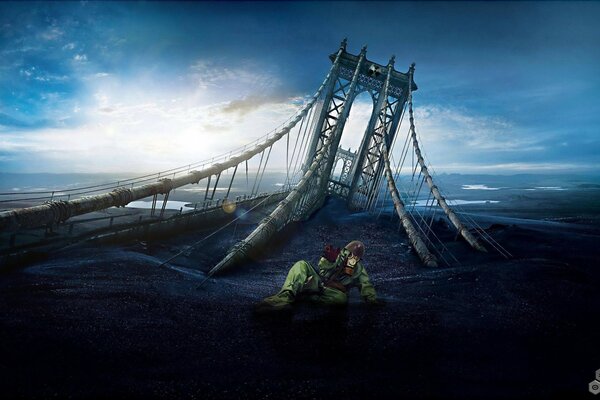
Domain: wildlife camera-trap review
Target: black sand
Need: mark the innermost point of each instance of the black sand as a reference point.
(107, 322)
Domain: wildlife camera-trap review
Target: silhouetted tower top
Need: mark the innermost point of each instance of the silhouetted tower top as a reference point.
(372, 74)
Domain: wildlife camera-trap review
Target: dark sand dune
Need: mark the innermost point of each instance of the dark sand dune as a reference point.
(107, 322)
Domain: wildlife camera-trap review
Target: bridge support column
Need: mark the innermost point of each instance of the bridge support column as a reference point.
(336, 130)
(325, 113)
(383, 125)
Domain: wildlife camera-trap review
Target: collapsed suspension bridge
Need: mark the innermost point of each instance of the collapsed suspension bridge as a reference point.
(312, 152)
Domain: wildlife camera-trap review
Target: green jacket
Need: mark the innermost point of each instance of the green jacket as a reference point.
(359, 279)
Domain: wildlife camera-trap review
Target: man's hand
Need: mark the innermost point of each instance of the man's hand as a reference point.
(330, 253)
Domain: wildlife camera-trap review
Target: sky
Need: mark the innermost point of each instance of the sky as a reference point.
(504, 87)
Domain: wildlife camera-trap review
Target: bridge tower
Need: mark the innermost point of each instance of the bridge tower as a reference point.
(362, 171)
(325, 113)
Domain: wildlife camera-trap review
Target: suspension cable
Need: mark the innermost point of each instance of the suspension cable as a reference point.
(429, 231)
(301, 148)
(426, 233)
(309, 127)
(216, 231)
(304, 119)
(482, 233)
(264, 168)
(262, 155)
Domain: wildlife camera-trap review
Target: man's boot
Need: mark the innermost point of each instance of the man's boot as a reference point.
(281, 301)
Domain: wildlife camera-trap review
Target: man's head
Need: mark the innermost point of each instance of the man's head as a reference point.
(357, 250)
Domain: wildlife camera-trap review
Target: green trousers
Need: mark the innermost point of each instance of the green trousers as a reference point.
(303, 281)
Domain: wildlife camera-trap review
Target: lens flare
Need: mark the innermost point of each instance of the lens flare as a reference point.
(229, 206)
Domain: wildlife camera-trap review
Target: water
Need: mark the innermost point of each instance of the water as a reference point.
(424, 203)
(461, 189)
(480, 187)
(171, 205)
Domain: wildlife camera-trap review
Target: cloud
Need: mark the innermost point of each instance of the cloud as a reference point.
(466, 128)
(69, 46)
(357, 122)
(127, 124)
(517, 167)
(247, 77)
(208, 127)
(39, 75)
(248, 104)
(52, 33)
(51, 78)
(80, 57)
(26, 72)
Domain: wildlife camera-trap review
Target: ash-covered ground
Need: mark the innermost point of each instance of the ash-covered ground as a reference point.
(109, 322)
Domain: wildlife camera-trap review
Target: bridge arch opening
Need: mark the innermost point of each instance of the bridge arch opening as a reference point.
(357, 121)
(338, 169)
(356, 125)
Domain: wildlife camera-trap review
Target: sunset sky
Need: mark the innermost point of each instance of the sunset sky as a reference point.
(113, 87)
